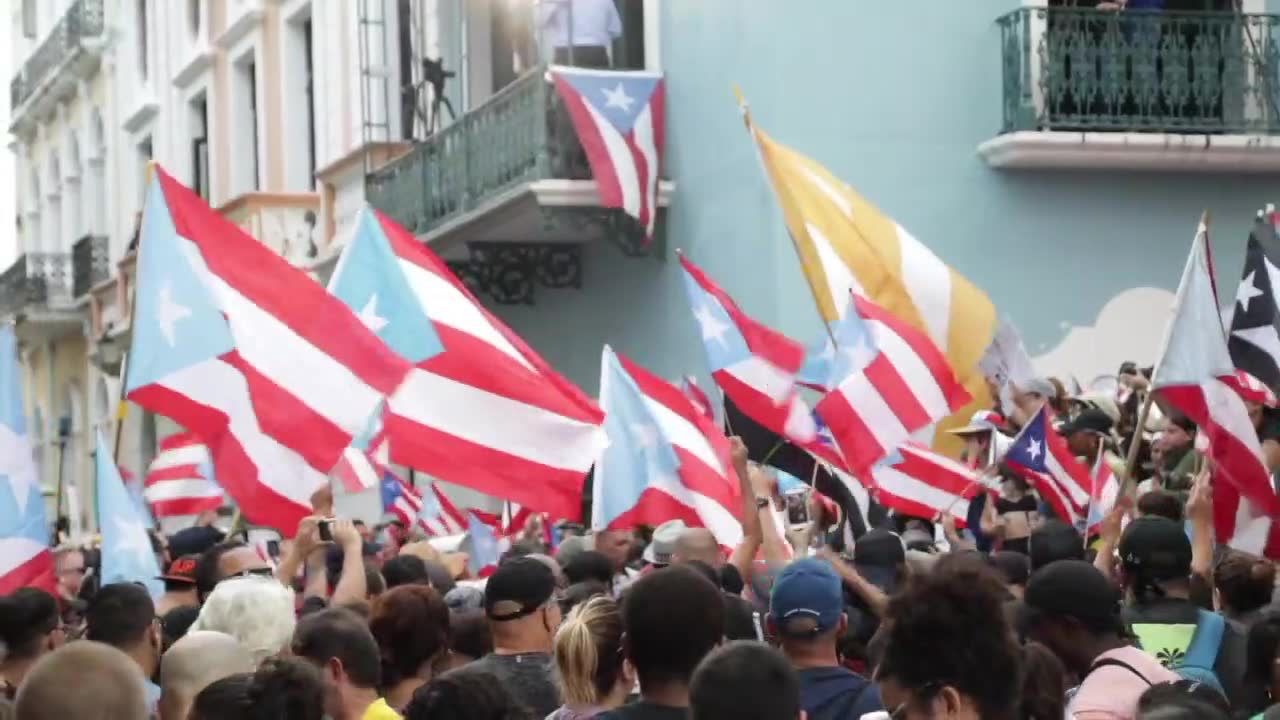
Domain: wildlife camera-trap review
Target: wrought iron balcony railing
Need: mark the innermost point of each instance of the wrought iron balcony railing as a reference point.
(1081, 69)
(35, 279)
(83, 20)
(519, 135)
(90, 264)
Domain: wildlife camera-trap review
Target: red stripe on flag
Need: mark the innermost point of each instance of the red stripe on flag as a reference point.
(924, 348)
(185, 506)
(642, 178)
(897, 394)
(175, 472)
(179, 440)
(654, 508)
(36, 572)
(608, 184)
(857, 443)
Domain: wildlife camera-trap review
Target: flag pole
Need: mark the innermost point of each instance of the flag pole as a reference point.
(130, 296)
(795, 245)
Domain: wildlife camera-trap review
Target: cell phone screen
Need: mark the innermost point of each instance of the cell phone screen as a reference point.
(797, 508)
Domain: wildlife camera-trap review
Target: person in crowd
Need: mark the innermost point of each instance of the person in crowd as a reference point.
(520, 602)
(1179, 460)
(1155, 559)
(179, 585)
(1044, 684)
(698, 544)
(198, 538)
(70, 566)
(225, 560)
(673, 618)
(578, 593)
(1262, 670)
(466, 694)
(1161, 503)
(257, 611)
(339, 643)
(580, 31)
(405, 570)
(806, 614)
(1015, 568)
(1073, 610)
(662, 544)
(742, 621)
(225, 699)
(176, 623)
(1243, 585)
(589, 565)
(1182, 700)
(84, 679)
(373, 582)
(949, 651)
(30, 628)
(1054, 540)
(616, 546)
(589, 670)
(1266, 421)
(982, 440)
(123, 616)
(411, 625)
(287, 689)
(746, 680)
(192, 664)
(1013, 515)
(464, 597)
(1087, 435)
(469, 637)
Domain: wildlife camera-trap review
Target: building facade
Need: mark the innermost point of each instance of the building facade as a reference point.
(1056, 154)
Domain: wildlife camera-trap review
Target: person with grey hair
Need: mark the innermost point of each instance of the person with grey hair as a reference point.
(194, 662)
(257, 611)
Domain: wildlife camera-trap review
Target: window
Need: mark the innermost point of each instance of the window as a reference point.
(141, 17)
(245, 158)
(311, 102)
(72, 190)
(200, 146)
(299, 89)
(29, 29)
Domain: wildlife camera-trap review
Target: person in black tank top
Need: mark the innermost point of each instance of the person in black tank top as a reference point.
(1013, 515)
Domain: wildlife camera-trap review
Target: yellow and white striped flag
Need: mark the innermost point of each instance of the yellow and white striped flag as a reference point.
(845, 243)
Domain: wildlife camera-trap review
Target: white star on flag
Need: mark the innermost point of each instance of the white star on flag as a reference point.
(370, 317)
(618, 98)
(1247, 291)
(132, 538)
(1036, 450)
(712, 328)
(169, 314)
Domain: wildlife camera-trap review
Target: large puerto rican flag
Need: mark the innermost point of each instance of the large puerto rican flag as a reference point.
(665, 459)
(25, 559)
(620, 120)
(232, 342)
(1041, 455)
(919, 482)
(1196, 375)
(180, 480)
(480, 408)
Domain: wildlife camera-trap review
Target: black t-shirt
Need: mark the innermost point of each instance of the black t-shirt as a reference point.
(645, 711)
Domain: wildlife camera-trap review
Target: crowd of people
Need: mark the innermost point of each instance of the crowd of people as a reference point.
(1018, 615)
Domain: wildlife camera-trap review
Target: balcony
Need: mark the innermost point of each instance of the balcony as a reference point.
(89, 264)
(1138, 90)
(507, 186)
(285, 222)
(72, 51)
(36, 292)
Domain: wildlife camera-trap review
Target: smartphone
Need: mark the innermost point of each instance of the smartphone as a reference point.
(797, 502)
(326, 530)
(273, 548)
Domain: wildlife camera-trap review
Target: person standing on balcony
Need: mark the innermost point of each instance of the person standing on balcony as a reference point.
(580, 32)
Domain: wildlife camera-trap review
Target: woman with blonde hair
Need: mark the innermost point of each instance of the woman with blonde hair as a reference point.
(590, 670)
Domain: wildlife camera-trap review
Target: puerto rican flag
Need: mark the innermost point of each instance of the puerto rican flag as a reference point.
(180, 480)
(429, 509)
(1103, 495)
(366, 459)
(665, 460)
(754, 365)
(689, 386)
(1196, 375)
(919, 482)
(25, 560)
(479, 408)
(274, 374)
(890, 382)
(1041, 455)
(620, 120)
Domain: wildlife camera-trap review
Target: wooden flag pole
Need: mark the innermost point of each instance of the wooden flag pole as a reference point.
(130, 296)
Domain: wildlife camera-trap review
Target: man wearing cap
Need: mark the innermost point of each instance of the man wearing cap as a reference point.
(179, 585)
(1070, 608)
(663, 544)
(984, 444)
(1086, 434)
(806, 613)
(521, 604)
(1155, 562)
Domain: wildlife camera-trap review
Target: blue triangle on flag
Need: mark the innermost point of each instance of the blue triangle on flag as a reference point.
(617, 97)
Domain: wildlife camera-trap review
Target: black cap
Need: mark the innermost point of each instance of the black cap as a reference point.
(1014, 566)
(1156, 548)
(1054, 540)
(1090, 420)
(879, 556)
(1072, 588)
(517, 588)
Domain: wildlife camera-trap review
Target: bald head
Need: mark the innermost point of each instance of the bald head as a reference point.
(84, 679)
(194, 662)
(698, 544)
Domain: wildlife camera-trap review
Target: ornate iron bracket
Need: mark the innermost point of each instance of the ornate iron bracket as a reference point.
(509, 272)
(614, 225)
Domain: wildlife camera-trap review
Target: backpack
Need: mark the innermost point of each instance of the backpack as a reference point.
(1191, 657)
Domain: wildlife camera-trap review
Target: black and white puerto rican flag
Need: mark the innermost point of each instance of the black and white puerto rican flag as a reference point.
(1254, 341)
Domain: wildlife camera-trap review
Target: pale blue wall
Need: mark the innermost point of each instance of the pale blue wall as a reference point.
(894, 97)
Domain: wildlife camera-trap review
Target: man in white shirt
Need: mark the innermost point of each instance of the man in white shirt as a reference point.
(580, 32)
